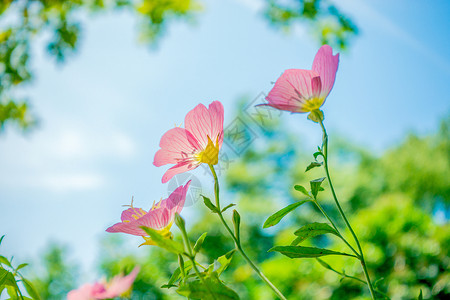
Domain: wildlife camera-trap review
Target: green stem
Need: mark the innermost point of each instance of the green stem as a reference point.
(191, 257)
(335, 228)
(325, 159)
(237, 240)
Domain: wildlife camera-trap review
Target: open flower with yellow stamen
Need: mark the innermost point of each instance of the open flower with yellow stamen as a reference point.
(199, 142)
(160, 217)
(305, 91)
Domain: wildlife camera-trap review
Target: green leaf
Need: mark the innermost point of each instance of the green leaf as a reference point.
(7, 279)
(236, 223)
(304, 252)
(315, 186)
(420, 295)
(302, 190)
(312, 230)
(177, 275)
(276, 217)
(324, 264)
(21, 266)
(313, 165)
(316, 154)
(199, 243)
(165, 243)
(209, 204)
(30, 289)
(5, 261)
(197, 290)
(228, 206)
(1, 239)
(179, 221)
(224, 261)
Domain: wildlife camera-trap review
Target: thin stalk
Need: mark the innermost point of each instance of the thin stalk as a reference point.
(191, 257)
(325, 160)
(335, 228)
(237, 241)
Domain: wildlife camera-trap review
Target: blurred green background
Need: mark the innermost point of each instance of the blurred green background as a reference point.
(393, 184)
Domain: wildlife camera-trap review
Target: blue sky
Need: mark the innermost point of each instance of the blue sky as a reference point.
(104, 111)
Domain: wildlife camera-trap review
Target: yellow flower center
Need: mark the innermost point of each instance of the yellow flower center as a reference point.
(312, 104)
(210, 155)
(165, 232)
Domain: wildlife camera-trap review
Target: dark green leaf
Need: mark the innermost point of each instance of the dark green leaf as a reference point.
(276, 217)
(304, 252)
(236, 223)
(420, 295)
(166, 243)
(209, 204)
(197, 290)
(316, 154)
(313, 165)
(302, 190)
(1, 239)
(315, 186)
(199, 242)
(228, 206)
(312, 230)
(30, 289)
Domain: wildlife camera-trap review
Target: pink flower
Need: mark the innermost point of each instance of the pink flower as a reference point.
(160, 217)
(118, 286)
(304, 91)
(199, 142)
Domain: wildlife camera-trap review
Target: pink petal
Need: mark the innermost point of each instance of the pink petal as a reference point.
(132, 214)
(132, 227)
(198, 122)
(292, 89)
(216, 113)
(119, 285)
(176, 144)
(156, 219)
(175, 202)
(326, 65)
(82, 293)
(316, 84)
(179, 168)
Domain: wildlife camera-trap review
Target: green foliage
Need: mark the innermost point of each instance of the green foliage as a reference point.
(197, 290)
(61, 18)
(304, 252)
(10, 277)
(57, 275)
(315, 186)
(330, 26)
(199, 243)
(279, 215)
(163, 242)
(312, 230)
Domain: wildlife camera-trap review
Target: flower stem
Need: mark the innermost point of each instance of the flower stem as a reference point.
(190, 254)
(237, 240)
(335, 228)
(361, 255)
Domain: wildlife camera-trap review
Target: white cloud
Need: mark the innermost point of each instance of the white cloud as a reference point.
(70, 182)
